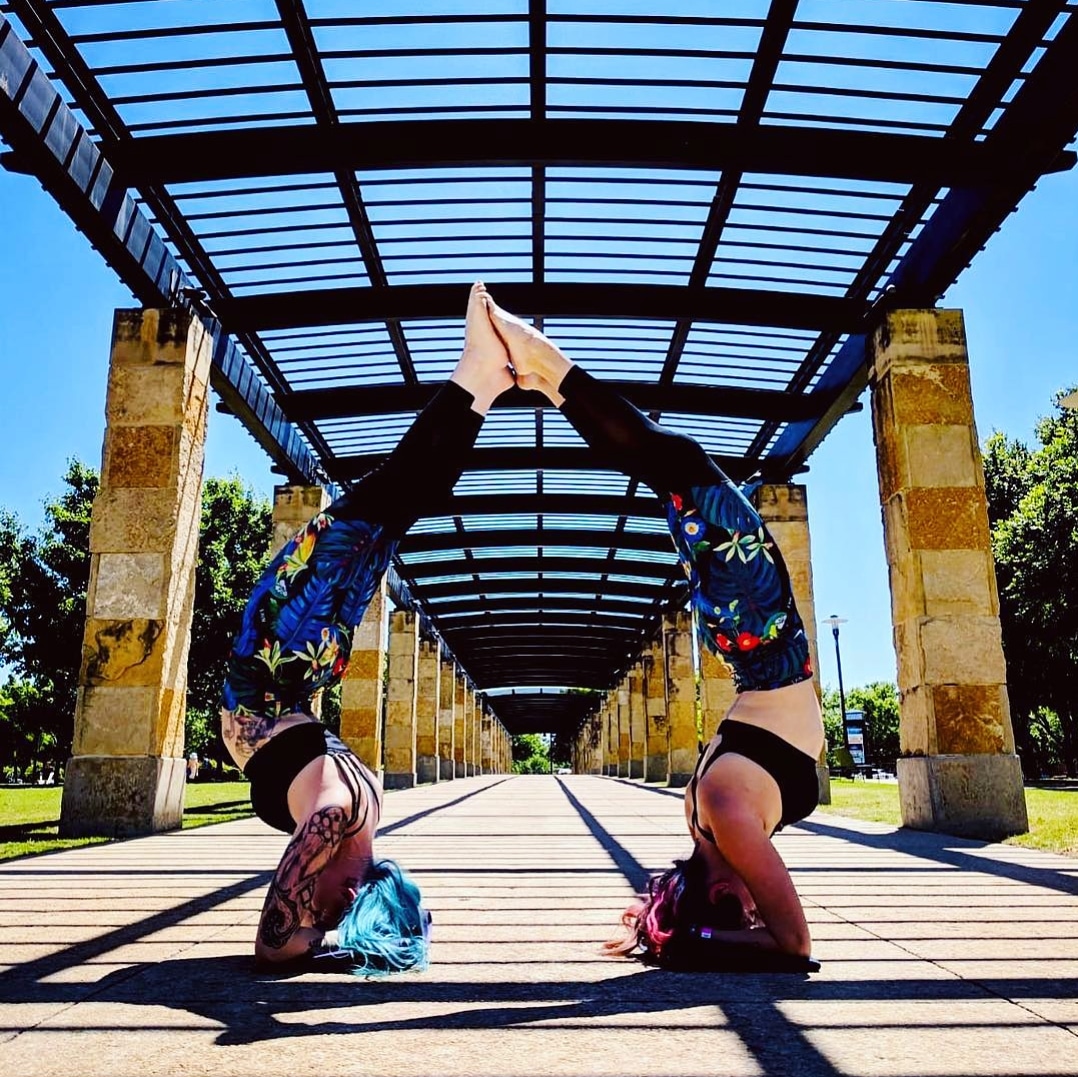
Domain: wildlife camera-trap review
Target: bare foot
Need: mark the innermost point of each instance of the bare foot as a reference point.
(531, 352)
(540, 384)
(483, 368)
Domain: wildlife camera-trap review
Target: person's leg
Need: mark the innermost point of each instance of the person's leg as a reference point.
(622, 436)
(297, 626)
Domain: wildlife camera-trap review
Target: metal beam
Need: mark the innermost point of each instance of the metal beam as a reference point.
(538, 587)
(635, 302)
(550, 607)
(420, 542)
(488, 566)
(526, 458)
(556, 504)
(540, 142)
(43, 132)
(311, 404)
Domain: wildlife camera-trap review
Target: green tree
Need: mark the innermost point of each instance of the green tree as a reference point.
(233, 541)
(43, 597)
(1033, 498)
(879, 703)
(530, 754)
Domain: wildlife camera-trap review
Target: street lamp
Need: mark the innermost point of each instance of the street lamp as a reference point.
(834, 621)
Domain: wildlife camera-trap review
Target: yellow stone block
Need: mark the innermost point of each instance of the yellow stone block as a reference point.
(115, 721)
(916, 729)
(947, 518)
(962, 650)
(128, 585)
(969, 718)
(127, 653)
(939, 456)
(929, 393)
(139, 456)
(132, 520)
(958, 582)
(145, 396)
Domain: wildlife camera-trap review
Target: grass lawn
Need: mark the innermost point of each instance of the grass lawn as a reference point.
(1053, 813)
(29, 817)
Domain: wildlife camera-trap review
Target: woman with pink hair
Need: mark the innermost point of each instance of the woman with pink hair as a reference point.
(733, 898)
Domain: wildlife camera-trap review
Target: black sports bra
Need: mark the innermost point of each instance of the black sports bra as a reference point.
(794, 771)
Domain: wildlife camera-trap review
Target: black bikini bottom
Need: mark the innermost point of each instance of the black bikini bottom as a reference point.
(273, 768)
(794, 771)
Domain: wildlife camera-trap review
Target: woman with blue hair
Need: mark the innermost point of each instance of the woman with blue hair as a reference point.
(295, 641)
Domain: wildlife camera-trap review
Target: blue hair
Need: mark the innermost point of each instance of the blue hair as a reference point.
(386, 929)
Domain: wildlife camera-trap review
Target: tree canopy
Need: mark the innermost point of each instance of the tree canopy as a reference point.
(1033, 510)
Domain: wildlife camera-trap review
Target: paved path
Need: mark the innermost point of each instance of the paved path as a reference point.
(940, 956)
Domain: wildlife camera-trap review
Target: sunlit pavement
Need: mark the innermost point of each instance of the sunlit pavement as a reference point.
(940, 956)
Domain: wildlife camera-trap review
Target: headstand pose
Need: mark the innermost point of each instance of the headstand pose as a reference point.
(758, 773)
(295, 640)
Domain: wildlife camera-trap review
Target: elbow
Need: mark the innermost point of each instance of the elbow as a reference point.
(797, 944)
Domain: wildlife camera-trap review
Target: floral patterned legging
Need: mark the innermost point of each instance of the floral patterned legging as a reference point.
(741, 592)
(296, 634)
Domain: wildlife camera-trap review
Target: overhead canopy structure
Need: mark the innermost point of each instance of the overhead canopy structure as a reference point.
(707, 206)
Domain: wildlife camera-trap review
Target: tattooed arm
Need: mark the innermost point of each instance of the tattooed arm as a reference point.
(287, 927)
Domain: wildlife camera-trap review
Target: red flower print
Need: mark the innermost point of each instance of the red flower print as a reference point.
(722, 641)
(808, 667)
(676, 500)
(746, 641)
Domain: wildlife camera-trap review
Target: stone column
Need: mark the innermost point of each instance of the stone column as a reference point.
(126, 773)
(361, 689)
(293, 508)
(486, 738)
(447, 698)
(784, 508)
(637, 721)
(681, 697)
(460, 725)
(469, 730)
(621, 696)
(610, 735)
(597, 743)
(958, 772)
(657, 748)
(717, 692)
(428, 692)
(400, 770)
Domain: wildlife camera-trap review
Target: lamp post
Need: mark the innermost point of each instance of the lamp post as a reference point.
(834, 621)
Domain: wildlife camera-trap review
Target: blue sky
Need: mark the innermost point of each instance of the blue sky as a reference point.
(57, 298)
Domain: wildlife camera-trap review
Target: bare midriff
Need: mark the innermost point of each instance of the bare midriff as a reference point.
(792, 712)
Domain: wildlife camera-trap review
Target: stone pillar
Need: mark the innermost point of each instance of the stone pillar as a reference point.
(681, 697)
(447, 698)
(959, 772)
(637, 721)
(486, 741)
(427, 701)
(657, 748)
(293, 507)
(784, 509)
(717, 692)
(400, 770)
(361, 689)
(610, 735)
(460, 725)
(469, 730)
(621, 696)
(126, 773)
(597, 743)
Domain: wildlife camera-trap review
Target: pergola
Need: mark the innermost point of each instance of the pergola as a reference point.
(711, 210)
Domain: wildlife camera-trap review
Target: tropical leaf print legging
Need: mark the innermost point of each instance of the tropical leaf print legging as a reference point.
(741, 589)
(297, 627)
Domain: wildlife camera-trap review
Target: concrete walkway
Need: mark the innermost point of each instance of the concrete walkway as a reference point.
(940, 956)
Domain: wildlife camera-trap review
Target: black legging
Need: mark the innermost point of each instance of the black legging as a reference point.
(417, 478)
(627, 440)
